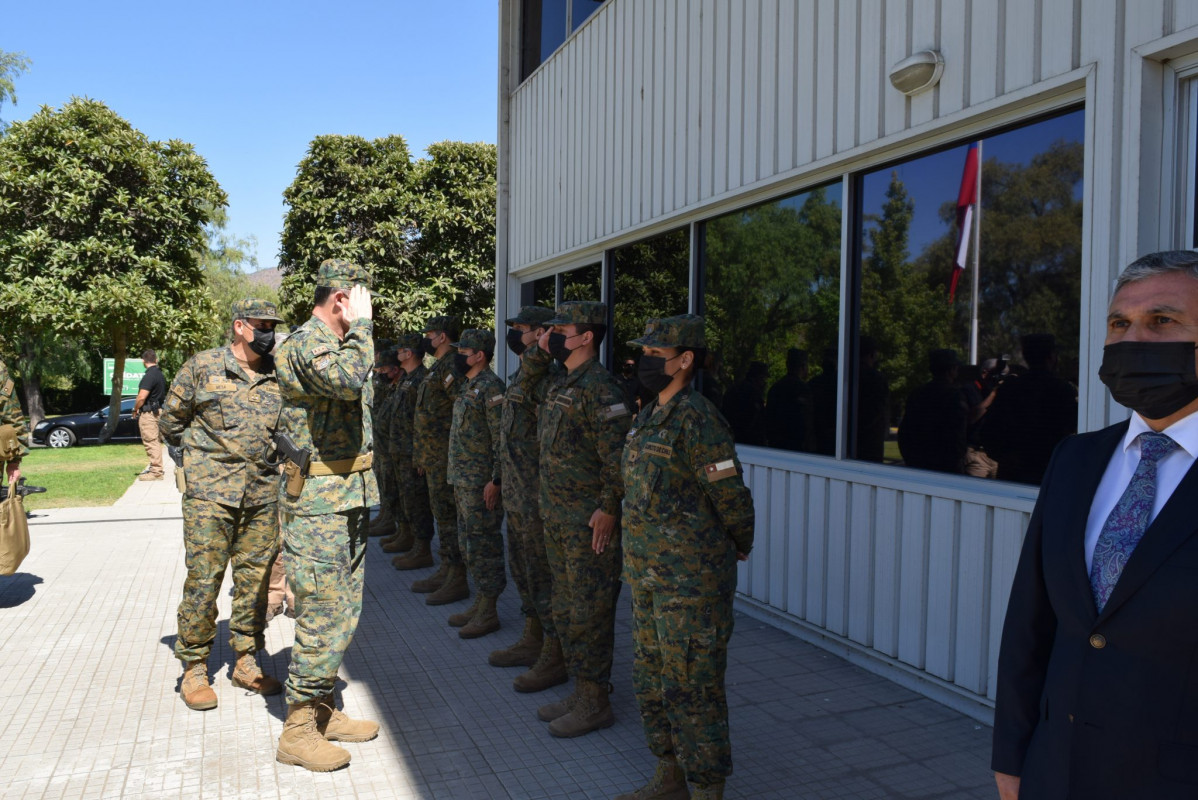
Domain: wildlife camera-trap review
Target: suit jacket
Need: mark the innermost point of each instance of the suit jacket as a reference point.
(1103, 705)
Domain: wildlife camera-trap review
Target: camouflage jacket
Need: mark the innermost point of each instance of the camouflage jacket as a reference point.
(474, 436)
(686, 510)
(327, 391)
(10, 409)
(405, 409)
(434, 413)
(221, 416)
(381, 416)
(519, 454)
(580, 433)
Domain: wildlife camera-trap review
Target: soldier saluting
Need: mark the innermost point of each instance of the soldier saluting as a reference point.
(218, 410)
(324, 378)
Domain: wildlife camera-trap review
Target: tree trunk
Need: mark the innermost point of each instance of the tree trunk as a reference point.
(119, 346)
(31, 383)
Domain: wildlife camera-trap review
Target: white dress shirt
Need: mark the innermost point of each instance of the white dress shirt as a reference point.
(1169, 472)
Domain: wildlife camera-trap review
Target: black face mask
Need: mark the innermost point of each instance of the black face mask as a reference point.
(264, 342)
(515, 342)
(459, 361)
(426, 345)
(651, 372)
(1154, 379)
(558, 349)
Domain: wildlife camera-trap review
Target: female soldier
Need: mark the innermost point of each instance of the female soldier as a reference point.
(688, 518)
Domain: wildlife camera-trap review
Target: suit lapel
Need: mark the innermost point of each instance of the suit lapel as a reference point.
(1087, 477)
(1168, 531)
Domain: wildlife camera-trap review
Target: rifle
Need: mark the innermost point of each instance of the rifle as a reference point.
(22, 490)
(282, 448)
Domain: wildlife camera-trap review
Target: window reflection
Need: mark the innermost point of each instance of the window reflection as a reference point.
(772, 302)
(983, 386)
(546, 24)
(541, 292)
(584, 283)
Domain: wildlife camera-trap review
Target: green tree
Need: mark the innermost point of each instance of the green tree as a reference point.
(100, 230)
(12, 65)
(652, 279)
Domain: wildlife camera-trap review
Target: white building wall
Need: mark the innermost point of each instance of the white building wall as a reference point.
(658, 113)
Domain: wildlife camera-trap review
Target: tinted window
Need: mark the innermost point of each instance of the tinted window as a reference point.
(650, 279)
(584, 283)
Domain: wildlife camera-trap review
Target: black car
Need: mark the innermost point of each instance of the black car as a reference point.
(83, 428)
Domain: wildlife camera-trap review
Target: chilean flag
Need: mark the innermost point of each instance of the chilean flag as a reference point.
(967, 197)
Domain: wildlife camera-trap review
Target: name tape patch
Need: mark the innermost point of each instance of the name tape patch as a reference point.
(656, 449)
(516, 397)
(615, 410)
(720, 470)
(564, 400)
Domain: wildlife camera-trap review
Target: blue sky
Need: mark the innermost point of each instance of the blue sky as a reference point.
(249, 84)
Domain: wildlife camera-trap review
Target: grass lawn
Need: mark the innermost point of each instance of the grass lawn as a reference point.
(94, 475)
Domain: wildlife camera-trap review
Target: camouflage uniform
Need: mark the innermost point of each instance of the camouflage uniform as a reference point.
(327, 392)
(412, 492)
(219, 413)
(686, 515)
(473, 463)
(580, 432)
(382, 413)
(10, 412)
(519, 458)
(430, 440)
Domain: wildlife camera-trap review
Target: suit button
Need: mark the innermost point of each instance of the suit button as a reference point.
(1098, 641)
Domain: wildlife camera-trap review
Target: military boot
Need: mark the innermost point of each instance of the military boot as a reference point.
(420, 556)
(525, 652)
(248, 675)
(714, 791)
(383, 525)
(462, 617)
(334, 725)
(195, 691)
(402, 541)
(484, 621)
(302, 745)
(455, 587)
(668, 783)
(591, 712)
(433, 582)
(549, 671)
(560, 708)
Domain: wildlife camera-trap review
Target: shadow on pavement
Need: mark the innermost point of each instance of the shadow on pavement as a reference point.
(17, 588)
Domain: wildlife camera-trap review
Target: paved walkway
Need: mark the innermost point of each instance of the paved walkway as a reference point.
(88, 693)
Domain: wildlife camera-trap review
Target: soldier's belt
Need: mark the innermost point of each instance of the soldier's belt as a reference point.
(343, 466)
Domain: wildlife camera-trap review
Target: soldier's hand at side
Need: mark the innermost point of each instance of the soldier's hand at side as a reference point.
(13, 468)
(742, 556)
(492, 495)
(420, 471)
(358, 306)
(543, 341)
(1008, 786)
(603, 526)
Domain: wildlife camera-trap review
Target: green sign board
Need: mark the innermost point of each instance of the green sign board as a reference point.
(134, 371)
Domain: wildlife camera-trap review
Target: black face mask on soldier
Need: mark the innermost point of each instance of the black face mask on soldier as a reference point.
(515, 342)
(652, 373)
(557, 347)
(1154, 379)
(426, 345)
(264, 341)
(459, 361)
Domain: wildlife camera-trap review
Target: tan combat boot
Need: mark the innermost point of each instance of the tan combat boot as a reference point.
(668, 783)
(335, 726)
(302, 745)
(402, 541)
(195, 691)
(714, 791)
(462, 617)
(484, 621)
(591, 712)
(247, 675)
(549, 671)
(383, 525)
(525, 652)
(419, 557)
(559, 708)
(455, 587)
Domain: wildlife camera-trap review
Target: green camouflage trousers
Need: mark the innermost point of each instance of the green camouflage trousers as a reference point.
(214, 536)
(481, 535)
(529, 562)
(445, 511)
(585, 589)
(326, 564)
(412, 493)
(384, 475)
(680, 653)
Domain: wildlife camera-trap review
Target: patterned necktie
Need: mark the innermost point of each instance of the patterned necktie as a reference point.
(1128, 520)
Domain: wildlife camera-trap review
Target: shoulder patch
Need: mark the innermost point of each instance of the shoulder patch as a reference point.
(174, 401)
(7, 388)
(319, 351)
(718, 470)
(447, 380)
(615, 410)
(322, 363)
(494, 400)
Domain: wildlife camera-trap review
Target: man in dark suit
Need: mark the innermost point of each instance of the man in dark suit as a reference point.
(1098, 671)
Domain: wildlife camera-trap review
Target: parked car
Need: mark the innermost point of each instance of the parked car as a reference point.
(84, 428)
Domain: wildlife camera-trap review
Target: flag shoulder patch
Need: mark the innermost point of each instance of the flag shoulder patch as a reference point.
(718, 470)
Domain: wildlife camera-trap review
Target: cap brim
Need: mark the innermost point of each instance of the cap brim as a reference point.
(557, 321)
(641, 342)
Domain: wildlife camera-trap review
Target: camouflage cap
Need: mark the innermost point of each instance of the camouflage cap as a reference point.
(337, 273)
(387, 358)
(536, 316)
(447, 322)
(408, 341)
(476, 339)
(684, 330)
(579, 312)
(252, 308)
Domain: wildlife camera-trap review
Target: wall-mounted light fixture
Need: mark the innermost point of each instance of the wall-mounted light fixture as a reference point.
(918, 72)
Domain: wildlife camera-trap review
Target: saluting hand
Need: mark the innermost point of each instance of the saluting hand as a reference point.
(359, 306)
(543, 341)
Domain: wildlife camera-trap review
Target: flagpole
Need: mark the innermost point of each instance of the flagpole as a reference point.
(977, 260)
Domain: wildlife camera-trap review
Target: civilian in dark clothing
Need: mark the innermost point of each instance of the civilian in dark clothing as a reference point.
(1031, 414)
(744, 406)
(932, 433)
(873, 403)
(629, 382)
(151, 394)
(788, 406)
(823, 402)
